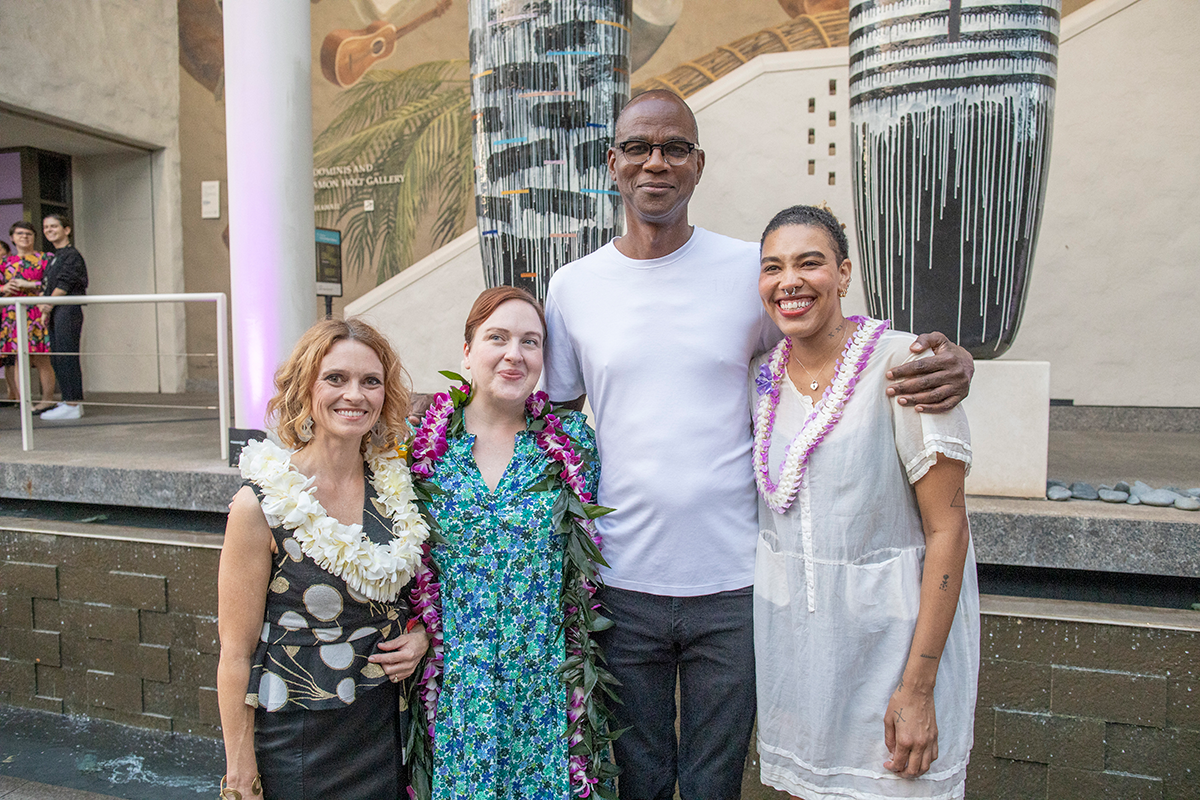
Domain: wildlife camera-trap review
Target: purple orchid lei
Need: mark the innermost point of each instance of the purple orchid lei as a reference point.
(588, 730)
(828, 410)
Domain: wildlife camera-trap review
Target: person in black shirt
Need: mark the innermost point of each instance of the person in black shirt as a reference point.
(66, 274)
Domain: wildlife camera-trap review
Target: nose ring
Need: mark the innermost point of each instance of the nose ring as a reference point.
(790, 290)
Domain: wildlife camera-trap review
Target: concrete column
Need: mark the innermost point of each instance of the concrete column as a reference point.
(268, 124)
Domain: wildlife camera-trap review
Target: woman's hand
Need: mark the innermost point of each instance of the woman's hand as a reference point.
(45, 308)
(937, 383)
(402, 654)
(910, 732)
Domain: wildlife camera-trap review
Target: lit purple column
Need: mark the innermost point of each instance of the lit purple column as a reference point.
(268, 135)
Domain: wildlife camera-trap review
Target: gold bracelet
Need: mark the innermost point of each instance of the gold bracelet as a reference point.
(234, 794)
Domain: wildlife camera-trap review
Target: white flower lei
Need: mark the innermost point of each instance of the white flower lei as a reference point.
(376, 571)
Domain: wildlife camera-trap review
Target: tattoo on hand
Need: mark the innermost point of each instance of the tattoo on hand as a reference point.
(926, 655)
(900, 688)
(898, 714)
(945, 582)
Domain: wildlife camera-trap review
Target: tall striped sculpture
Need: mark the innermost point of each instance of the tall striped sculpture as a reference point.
(951, 107)
(547, 82)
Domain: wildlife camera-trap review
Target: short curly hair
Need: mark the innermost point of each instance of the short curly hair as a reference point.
(817, 217)
(292, 403)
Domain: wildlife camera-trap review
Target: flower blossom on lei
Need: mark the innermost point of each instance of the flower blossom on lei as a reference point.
(828, 410)
(580, 614)
(376, 571)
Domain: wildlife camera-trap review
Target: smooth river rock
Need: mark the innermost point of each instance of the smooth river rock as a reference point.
(1188, 504)
(1113, 496)
(1159, 497)
(1059, 493)
(1084, 491)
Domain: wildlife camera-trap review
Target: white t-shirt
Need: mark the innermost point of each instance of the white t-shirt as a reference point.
(662, 347)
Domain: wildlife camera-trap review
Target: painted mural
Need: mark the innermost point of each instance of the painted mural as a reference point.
(392, 119)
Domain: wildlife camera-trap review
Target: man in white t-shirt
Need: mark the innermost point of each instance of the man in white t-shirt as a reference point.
(658, 328)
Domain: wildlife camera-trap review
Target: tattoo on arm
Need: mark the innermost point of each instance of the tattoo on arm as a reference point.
(959, 501)
(945, 582)
(926, 655)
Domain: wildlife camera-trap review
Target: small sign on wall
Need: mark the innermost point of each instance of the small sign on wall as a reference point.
(210, 199)
(329, 263)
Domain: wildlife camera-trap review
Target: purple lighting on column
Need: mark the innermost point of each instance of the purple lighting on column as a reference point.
(268, 115)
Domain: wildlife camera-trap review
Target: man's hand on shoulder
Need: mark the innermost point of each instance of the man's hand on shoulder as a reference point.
(420, 403)
(574, 405)
(937, 383)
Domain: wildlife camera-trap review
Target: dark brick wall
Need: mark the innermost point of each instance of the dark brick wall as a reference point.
(1078, 711)
(116, 629)
(126, 631)
(1082, 710)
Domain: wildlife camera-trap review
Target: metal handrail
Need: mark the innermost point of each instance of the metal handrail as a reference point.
(102, 299)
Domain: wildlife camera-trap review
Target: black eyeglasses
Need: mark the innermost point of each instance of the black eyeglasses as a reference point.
(674, 152)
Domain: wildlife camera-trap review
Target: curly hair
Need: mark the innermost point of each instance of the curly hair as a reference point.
(292, 403)
(817, 217)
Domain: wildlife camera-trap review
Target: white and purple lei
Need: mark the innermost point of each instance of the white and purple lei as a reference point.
(825, 414)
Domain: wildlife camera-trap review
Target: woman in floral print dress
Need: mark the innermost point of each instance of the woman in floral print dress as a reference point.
(21, 275)
(502, 712)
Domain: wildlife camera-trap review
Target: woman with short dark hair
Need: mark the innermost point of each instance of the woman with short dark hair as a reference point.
(66, 274)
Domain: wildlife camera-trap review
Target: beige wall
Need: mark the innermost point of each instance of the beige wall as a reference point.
(106, 76)
(1114, 295)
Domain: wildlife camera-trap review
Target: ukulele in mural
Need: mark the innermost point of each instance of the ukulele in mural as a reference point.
(347, 55)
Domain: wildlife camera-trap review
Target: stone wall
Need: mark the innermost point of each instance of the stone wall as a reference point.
(1079, 701)
(1087, 701)
(1076, 700)
(116, 628)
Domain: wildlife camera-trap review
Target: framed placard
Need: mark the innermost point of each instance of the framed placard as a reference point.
(329, 263)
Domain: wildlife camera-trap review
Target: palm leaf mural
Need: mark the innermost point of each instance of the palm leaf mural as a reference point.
(416, 123)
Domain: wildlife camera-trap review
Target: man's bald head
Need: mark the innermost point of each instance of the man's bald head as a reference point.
(660, 96)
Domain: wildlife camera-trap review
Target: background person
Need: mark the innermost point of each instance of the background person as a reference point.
(65, 274)
(21, 275)
(866, 607)
(319, 548)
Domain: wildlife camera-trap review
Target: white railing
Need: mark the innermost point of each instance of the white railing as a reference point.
(101, 299)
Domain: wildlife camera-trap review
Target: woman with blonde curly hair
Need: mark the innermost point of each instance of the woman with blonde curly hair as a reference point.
(321, 541)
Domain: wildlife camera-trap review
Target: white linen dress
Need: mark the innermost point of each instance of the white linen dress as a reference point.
(837, 590)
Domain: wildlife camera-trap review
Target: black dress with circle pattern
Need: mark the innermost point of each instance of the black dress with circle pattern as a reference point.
(328, 723)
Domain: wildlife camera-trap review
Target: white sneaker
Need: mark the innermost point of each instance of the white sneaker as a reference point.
(63, 411)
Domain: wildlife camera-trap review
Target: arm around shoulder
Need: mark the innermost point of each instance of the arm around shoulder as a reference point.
(936, 383)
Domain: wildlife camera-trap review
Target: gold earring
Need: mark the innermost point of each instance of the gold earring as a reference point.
(843, 292)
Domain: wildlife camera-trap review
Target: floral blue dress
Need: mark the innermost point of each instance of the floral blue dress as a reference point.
(501, 728)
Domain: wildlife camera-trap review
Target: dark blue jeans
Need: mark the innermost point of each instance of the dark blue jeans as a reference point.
(708, 643)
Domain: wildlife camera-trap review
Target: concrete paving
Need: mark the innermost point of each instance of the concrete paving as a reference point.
(1158, 458)
(19, 789)
(177, 432)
